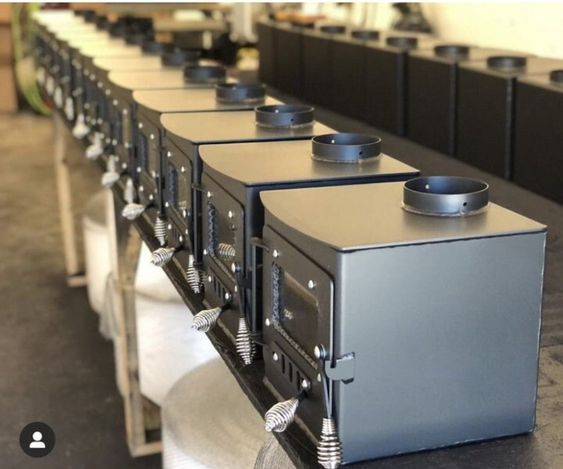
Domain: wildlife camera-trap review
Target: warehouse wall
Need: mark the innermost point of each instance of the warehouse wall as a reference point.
(529, 27)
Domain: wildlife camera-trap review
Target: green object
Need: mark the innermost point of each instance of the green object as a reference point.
(24, 66)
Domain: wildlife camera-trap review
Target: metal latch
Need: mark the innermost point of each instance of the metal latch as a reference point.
(343, 370)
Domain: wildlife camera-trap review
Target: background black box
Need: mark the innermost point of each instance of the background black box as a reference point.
(486, 105)
(288, 58)
(318, 56)
(538, 142)
(432, 93)
(266, 51)
(386, 76)
(349, 75)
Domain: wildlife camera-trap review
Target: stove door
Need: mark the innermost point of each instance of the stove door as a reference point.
(222, 222)
(298, 298)
(223, 228)
(177, 193)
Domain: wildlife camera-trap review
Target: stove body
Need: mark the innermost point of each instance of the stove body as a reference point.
(97, 95)
(48, 49)
(233, 214)
(73, 90)
(147, 164)
(538, 162)
(142, 133)
(150, 62)
(486, 113)
(61, 69)
(185, 135)
(116, 125)
(67, 37)
(125, 128)
(81, 50)
(430, 324)
(73, 85)
(119, 40)
(154, 150)
(132, 147)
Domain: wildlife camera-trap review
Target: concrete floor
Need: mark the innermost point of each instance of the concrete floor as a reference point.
(55, 367)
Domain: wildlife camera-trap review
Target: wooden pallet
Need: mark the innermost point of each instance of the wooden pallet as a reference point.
(76, 182)
(142, 416)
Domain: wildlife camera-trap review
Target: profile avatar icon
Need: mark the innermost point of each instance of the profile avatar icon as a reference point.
(37, 439)
(37, 443)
